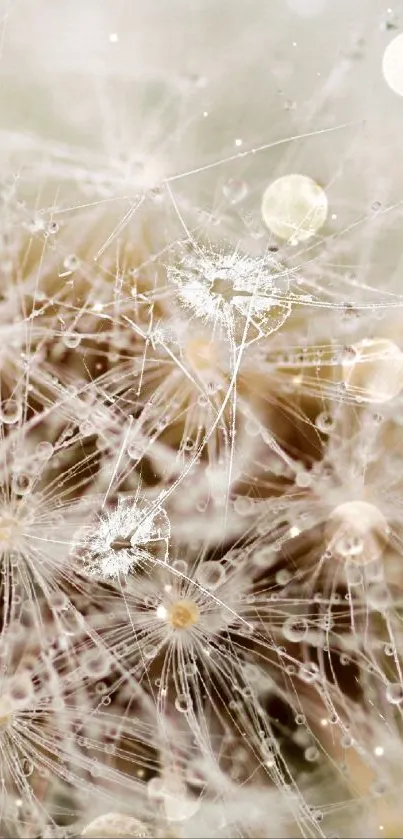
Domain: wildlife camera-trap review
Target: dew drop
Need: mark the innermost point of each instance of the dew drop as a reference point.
(134, 451)
(96, 664)
(22, 483)
(183, 703)
(394, 693)
(44, 450)
(311, 754)
(71, 262)
(10, 411)
(235, 190)
(324, 422)
(295, 629)
(309, 672)
(71, 339)
(211, 574)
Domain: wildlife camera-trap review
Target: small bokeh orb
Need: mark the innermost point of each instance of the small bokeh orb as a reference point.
(294, 208)
(392, 64)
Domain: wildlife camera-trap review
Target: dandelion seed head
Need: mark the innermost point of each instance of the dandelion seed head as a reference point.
(122, 536)
(183, 614)
(228, 288)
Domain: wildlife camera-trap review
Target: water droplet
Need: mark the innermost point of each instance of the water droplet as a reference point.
(309, 672)
(96, 664)
(283, 577)
(211, 574)
(353, 574)
(324, 422)
(44, 450)
(71, 339)
(183, 703)
(394, 693)
(311, 754)
(22, 483)
(10, 411)
(235, 190)
(243, 505)
(134, 450)
(378, 597)
(303, 479)
(295, 629)
(71, 262)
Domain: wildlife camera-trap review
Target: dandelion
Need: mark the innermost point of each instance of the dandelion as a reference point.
(122, 537)
(232, 289)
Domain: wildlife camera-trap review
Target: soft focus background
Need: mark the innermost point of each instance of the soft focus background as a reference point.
(200, 508)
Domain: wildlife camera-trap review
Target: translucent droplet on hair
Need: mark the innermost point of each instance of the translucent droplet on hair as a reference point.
(71, 339)
(10, 411)
(295, 629)
(71, 262)
(235, 190)
(96, 664)
(324, 422)
(311, 754)
(44, 450)
(378, 597)
(309, 672)
(183, 703)
(210, 574)
(20, 690)
(357, 531)
(22, 483)
(394, 693)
